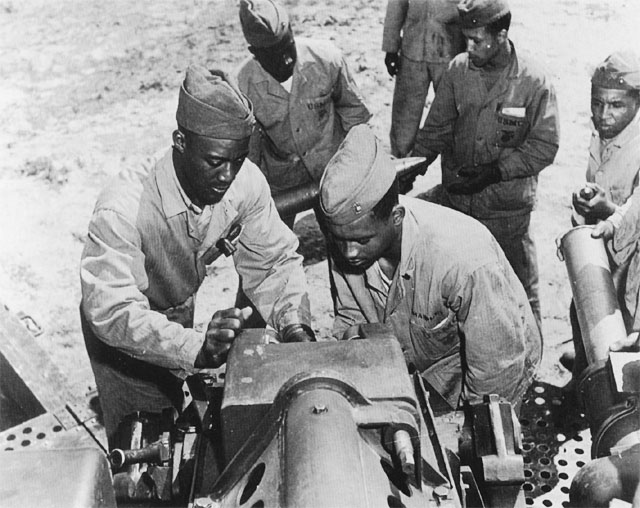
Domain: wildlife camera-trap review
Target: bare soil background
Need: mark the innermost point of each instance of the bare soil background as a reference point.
(87, 88)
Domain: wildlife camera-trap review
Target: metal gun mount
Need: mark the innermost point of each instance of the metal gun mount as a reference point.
(52, 453)
(609, 388)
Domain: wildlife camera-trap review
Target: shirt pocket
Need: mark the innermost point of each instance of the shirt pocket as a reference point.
(511, 126)
(434, 341)
(319, 107)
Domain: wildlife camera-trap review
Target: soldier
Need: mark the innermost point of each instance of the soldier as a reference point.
(419, 40)
(304, 96)
(612, 177)
(152, 235)
(614, 151)
(494, 121)
(433, 275)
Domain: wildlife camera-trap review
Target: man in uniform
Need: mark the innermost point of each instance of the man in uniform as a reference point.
(304, 96)
(612, 177)
(494, 121)
(419, 39)
(435, 276)
(152, 235)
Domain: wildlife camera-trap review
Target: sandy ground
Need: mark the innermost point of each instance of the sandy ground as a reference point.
(90, 87)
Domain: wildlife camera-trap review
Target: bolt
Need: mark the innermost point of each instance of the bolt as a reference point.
(440, 493)
(319, 409)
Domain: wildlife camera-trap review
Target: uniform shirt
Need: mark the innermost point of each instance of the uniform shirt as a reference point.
(515, 124)
(422, 30)
(145, 258)
(304, 127)
(614, 165)
(625, 252)
(452, 281)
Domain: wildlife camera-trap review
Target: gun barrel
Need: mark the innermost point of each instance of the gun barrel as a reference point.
(594, 294)
(302, 198)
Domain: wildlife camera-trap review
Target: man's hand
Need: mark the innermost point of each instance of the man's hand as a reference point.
(297, 333)
(604, 229)
(473, 179)
(392, 61)
(592, 203)
(631, 343)
(221, 332)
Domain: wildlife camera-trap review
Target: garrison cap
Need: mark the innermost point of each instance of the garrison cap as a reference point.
(478, 13)
(210, 104)
(356, 178)
(264, 22)
(620, 70)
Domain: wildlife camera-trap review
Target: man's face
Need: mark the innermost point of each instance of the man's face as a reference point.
(612, 110)
(364, 241)
(278, 60)
(482, 46)
(209, 166)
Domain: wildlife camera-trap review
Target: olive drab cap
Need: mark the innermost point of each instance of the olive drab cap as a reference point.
(210, 104)
(264, 22)
(620, 70)
(356, 178)
(478, 13)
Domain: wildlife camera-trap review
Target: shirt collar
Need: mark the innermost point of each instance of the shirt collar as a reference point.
(174, 200)
(628, 134)
(410, 235)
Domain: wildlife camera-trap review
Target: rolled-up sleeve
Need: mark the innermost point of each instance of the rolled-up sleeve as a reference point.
(113, 280)
(268, 264)
(494, 328)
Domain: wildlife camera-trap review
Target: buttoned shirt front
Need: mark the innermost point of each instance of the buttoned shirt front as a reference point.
(305, 126)
(453, 289)
(146, 256)
(514, 125)
(423, 30)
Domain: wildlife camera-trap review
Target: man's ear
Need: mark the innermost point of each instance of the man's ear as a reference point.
(397, 215)
(179, 140)
(503, 36)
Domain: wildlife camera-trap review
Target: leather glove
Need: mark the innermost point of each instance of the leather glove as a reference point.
(473, 179)
(392, 61)
(224, 327)
(297, 333)
(592, 203)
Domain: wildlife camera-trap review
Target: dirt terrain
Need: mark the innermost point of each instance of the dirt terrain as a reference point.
(90, 87)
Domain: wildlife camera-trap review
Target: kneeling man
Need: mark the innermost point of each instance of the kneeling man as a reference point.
(434, 275)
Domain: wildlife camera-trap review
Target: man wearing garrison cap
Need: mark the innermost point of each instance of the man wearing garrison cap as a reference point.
(612, 179)
(435, 276)
(154, 232)
(304, 97)
(494, 122)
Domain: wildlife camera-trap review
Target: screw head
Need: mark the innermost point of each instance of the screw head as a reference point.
(319, 409)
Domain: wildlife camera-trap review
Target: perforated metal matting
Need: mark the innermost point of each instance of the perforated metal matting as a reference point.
(556, 443)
